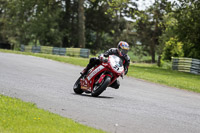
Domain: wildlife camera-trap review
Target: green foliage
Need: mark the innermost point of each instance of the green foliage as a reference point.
(173, 48)
(170, 25)
(187, 16)
(138, 54)
(166, 64)
(105, 23)
(150, 24)
(55, 23)
(29, 21)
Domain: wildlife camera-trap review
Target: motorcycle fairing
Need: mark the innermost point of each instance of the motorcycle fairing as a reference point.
(88, 82)
(96, 70)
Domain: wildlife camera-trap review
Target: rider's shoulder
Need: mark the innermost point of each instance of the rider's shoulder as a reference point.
(113, 49)
(127, 57)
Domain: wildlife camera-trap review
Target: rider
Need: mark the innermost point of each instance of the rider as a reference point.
(121, 51)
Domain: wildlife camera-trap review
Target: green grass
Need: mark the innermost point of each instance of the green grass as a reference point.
(147, 72)
(17, 116)
(167, 77)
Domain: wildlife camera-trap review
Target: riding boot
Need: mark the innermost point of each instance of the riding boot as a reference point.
(92, 63)
(85, 71)
(115, 84)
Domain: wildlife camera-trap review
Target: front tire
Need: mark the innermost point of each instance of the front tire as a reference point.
(77, 87)
(98, 89)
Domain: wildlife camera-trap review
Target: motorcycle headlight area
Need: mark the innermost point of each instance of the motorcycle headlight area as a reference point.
(116, 63)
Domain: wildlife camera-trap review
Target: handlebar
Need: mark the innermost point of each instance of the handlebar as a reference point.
(102, 58)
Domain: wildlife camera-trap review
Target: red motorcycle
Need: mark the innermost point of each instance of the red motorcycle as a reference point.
(100, 77)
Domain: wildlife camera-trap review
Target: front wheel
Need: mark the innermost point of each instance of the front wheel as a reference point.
(99, 88)
(77, 87)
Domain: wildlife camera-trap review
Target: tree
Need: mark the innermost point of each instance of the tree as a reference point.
(68, 23)
(98, 25)
(81, 24)
(149, 25)
(106, 24)
(3, 5)
(187, 16)
(61, 23)
(119, 9)
(31, 22)
(170, 24)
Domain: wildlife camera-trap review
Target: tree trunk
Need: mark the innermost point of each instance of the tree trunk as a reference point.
(65, 41)
(81, 24)
(154, 39)
(97, 45)
(159, 61)
(152, 49)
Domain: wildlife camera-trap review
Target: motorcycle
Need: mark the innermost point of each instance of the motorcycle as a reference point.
(100, 76)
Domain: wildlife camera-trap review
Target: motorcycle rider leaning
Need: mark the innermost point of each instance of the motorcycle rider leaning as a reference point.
(121, 51)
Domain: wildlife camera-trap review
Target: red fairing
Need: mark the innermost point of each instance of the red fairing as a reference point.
(98, 74)
(101, 78)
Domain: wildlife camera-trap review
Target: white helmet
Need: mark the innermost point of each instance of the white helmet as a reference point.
(123, 48)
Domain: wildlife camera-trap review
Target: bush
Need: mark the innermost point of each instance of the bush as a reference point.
(166, 64)
(173, 48)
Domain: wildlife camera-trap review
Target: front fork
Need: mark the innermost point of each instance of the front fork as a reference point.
(103, 75)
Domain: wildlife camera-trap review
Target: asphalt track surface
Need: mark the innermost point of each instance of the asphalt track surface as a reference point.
(137, 107)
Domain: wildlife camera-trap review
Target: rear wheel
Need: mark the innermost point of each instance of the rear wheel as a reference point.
(99, 88)
(77, 87)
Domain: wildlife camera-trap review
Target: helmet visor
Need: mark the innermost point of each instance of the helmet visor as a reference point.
(124, 51)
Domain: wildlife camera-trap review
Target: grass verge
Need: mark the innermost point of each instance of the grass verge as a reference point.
(17, 116)
(148, 72)
(65, 59)
(167, 77)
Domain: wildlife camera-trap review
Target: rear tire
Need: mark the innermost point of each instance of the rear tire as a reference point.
(77, 87)
(100, 88)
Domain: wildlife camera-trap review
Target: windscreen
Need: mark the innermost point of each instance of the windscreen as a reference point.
(116, 63)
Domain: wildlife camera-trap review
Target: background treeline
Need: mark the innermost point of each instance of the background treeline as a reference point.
(165, 28)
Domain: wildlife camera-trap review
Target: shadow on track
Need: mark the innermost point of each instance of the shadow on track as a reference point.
(87, 95)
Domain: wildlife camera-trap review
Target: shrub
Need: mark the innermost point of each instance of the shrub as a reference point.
(173, 48)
